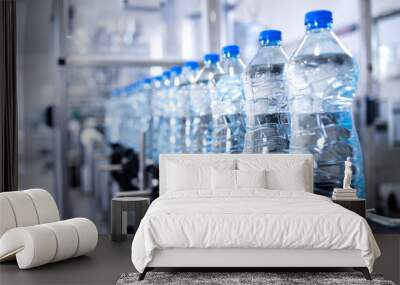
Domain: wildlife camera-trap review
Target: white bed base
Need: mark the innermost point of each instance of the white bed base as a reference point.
(237, 257)
(251, 258)
(240, 259)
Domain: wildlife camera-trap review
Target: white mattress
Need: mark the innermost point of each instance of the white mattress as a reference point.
(253, 219)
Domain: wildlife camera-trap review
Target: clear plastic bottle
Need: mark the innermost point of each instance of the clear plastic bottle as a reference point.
(227, 105)
(177, 114)
(157, 113)
(121, 109)
(146, 93)
(128, 112)
(111, 119)
(266, 93)
(190, 71)
(143, 103)
(323, 80)
(200, 102)
(165, 122)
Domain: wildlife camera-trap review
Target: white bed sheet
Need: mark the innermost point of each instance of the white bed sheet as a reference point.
(253, 218)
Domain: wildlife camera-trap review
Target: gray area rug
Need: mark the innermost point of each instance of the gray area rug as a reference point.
(243, 278)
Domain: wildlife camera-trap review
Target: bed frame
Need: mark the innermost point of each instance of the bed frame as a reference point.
(245, 259)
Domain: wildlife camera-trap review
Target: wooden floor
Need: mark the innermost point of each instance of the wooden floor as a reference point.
(103, 266)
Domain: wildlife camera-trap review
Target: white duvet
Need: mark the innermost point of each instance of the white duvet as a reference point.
(250, 219)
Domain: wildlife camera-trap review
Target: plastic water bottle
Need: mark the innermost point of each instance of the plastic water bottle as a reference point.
(146, 92)
(228, 105)
(121, 109)
(266, 93)
(189, 73)
(143, 103)
(111, 119)
(177, 113)
(163, 138)
(200, 100)
(128, 111)
(323, 80)
(157, 113)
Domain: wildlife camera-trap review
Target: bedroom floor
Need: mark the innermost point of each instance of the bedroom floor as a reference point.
(110, 260)
(103, 266)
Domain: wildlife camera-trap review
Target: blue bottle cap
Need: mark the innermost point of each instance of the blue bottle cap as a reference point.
(166, 74)
(318, 19)
(193, 65)
(270, 38)
(211, 58)
(176, 70)
(231, 51)
(129, 88)
(148, 80)
(157, 78)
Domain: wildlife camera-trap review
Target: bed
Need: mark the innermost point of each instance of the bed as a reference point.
(247, 210)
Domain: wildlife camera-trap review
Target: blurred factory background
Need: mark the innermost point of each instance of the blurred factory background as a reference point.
(72, 53)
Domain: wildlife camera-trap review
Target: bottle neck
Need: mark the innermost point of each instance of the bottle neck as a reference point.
(147, 87)
(188, 75)
(157, 84)
(272, 50)
(175, 80)
(209, 64)
(320, 34)
(321, 29)
(213, 67)
(209, 71)
(271, 46)
(231, 60)
(167, 82)
(316, 24)
(233, 65)
(320, 41)
(231, 57)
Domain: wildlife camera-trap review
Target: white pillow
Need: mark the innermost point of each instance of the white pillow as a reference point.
(292, 178)
(281, 174)
(183, 177)
(223, 179)
(251, 178)
(227, 179)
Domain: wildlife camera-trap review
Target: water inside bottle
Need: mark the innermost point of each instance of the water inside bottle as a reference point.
(266, 108)
(321, 119)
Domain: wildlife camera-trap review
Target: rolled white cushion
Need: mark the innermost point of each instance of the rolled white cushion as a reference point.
(87, 233)
(41, 244)
(67, 240)
(23, 208)
(26, 208)
(7, 219)
(45, 205)
(33, 246)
